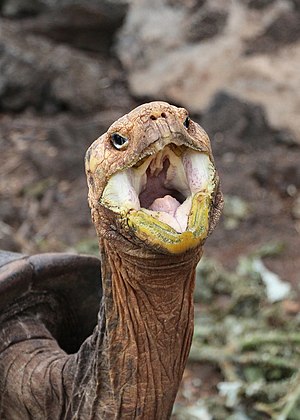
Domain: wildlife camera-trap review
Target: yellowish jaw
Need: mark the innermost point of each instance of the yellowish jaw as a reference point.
(154, 232)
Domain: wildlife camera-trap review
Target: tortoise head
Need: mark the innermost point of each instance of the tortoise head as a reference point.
(152, 180)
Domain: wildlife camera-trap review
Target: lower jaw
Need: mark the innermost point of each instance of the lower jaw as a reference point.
(160, 235)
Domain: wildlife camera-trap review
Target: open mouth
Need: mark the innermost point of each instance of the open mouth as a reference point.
(167, 187)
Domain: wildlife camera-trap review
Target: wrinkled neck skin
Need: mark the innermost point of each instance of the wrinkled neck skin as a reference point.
(132, 364)
(148, 306)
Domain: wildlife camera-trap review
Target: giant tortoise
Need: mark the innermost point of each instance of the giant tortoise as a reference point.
(154, 197)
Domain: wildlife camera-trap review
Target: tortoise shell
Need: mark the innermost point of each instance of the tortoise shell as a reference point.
(68, 284)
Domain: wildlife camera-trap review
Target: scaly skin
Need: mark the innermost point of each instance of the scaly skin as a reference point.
(131, 366)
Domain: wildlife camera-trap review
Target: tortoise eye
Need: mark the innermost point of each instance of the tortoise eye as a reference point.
(118, 141)
(186, 122)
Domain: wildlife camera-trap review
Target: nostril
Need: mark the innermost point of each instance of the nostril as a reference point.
(163, 115)
(153, 117)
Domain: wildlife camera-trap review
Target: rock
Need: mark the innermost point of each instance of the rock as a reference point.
(165, 59)
(190, 4)
(259, 4)
(240, 125)
(205, 25)
(85, 25)
(21, 8)
(26, 8)
(36, 73)
(282, 31)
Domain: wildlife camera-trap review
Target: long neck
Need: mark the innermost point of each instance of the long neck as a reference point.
(148, 306)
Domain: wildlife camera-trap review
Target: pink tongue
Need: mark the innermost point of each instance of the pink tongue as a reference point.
(167, 204)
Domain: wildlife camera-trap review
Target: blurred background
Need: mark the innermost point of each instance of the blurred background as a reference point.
(69, 68)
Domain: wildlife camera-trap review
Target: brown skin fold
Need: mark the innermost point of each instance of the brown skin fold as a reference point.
(149, 329)
(132, 364)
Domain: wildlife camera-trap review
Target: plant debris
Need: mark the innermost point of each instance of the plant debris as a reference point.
(244, 332)
(235, 211)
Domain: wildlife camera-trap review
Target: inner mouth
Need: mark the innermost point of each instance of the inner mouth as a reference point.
(162, 185)
(155, 188)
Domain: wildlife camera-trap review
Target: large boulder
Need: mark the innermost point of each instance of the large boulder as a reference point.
(84, 24)
(36, 73)
(188, 51)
